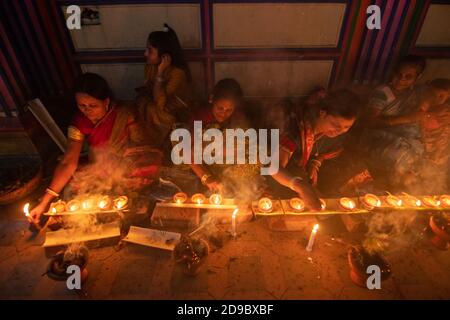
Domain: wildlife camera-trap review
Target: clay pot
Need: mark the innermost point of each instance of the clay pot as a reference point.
(440, 224)
(191, 254)
(58, 265)
(359, 259)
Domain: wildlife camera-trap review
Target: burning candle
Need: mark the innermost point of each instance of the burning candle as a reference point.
(371, 200)
(265, 204)
(394, 201)
(347, 203)
(312, 238)
(104, 202)
(233, 223)
(215, 198)
(198, 198)
(73, 205)
(180, 197)
(297, 204)
(445, 200)
(431, 201)
(121, 202)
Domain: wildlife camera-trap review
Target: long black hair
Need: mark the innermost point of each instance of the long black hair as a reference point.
(166, 42)
(93, 85)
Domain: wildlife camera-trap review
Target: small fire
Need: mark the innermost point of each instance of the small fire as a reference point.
(215, 198)
(120, 202)
(297, 204)
(74, 205)
(347, 203)
(26, 210)
(431, 201)
(180, 197)
(87, 204)
(265, 204)
(372, 200)
(104, 202)
(198, 198)
(323, 204)
(394, 201)
(445, 200)
(315, 228)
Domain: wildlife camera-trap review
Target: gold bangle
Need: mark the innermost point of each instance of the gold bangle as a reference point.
(204, 178)
(51, 192)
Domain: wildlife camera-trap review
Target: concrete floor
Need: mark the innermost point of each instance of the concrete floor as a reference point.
(259, 264)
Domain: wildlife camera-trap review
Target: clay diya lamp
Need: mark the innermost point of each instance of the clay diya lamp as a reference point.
(440, 225)
(297, 204)
(347, 204)
(180, 197)
(73, 205)
(58, 207)
(265, 205)
(411, 201)
(198, 198)
(393, 201)
(371, 201)
(431, 201)
(445, 200)
(215, 199)
(104, 203)
(121, 203)
(57, 268)
(359, 260)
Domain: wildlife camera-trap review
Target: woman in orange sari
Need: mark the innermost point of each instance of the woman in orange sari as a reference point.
(114, 138)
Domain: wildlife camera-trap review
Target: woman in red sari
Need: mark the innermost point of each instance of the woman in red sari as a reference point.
(115, 141)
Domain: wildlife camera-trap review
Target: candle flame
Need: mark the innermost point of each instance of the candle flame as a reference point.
(235, 213)
(26, 209)
(53, 210)
(315, 228)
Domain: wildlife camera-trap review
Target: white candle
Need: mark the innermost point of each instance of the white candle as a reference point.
(233, 223)
(312, 238)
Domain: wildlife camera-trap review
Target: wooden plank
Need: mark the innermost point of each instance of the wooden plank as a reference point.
(68, 236)
(153, 238)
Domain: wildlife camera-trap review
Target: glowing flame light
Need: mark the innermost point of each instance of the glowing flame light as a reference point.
(215, 198)
(104, 202)
(323, 204)
(26, 209)
(393, 201)
(445, 201)
(347, 203)
(74, 205)
(180, 197)
(431, 201)
(372, 200)
(265, 204)
(198, 198)
(120, 202)
(297, 204)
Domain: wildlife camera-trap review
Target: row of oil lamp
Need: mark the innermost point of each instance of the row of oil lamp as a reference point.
(369, 202)
(198, 198)
(94, 203)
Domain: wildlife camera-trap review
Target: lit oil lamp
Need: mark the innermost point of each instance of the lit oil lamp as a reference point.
(394, 201)
(371, 201)
(431, 201)
(411, 201)
(347, 203)
(323, 204)
(215, 198)
(445, 200)
(104, 202)
(58, 207)
(297, 204)
(180, 197)
(198, 198)
(74, 205)
(88, 204)
(121, 202)
(265, 205)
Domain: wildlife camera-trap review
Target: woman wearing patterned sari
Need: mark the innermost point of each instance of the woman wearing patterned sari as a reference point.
(115, 142)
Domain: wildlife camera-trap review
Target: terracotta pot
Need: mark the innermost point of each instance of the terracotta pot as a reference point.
(440, 224)
(359, 259)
